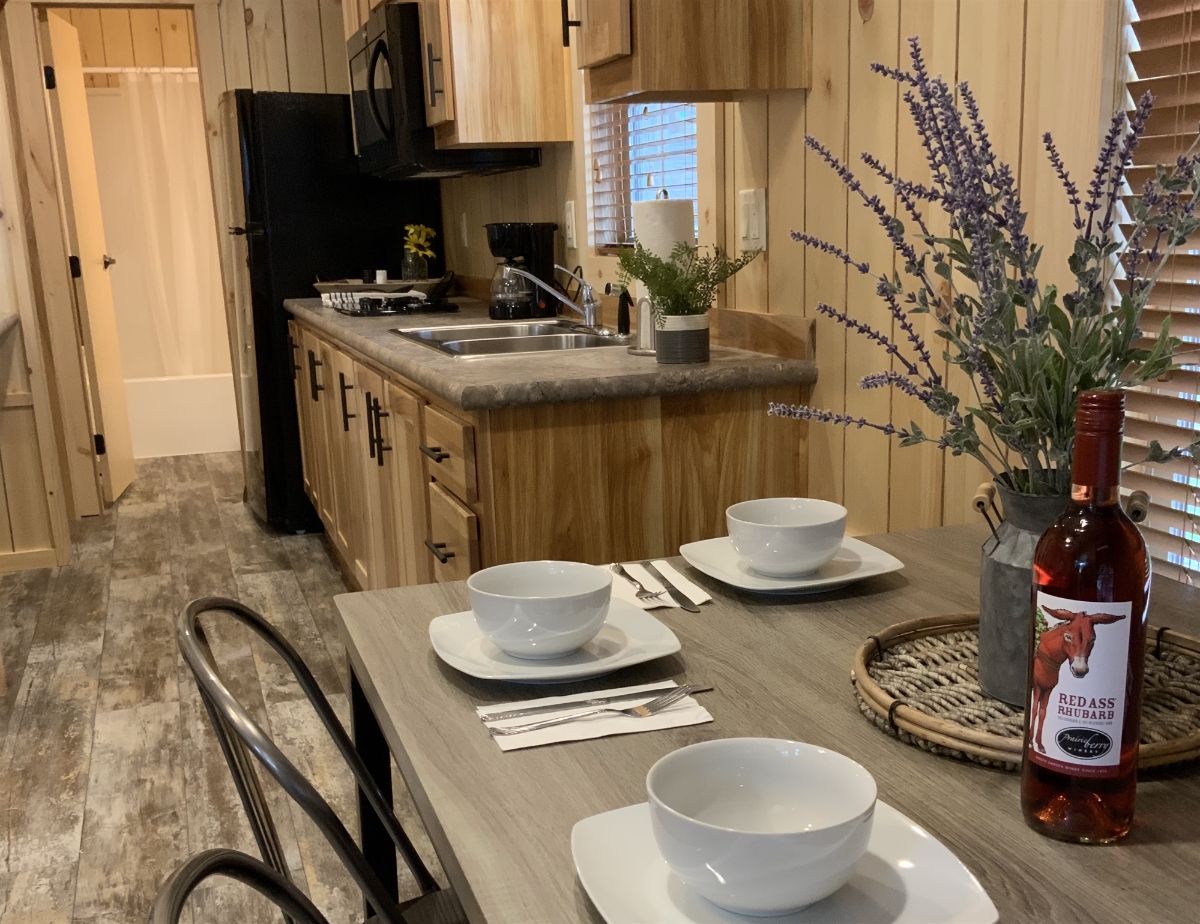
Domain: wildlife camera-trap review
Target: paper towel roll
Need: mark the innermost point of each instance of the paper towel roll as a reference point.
(661, 223)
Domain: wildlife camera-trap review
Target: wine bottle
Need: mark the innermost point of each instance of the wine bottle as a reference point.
(1091, 590)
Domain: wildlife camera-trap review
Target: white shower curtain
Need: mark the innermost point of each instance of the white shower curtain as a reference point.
(172, 202)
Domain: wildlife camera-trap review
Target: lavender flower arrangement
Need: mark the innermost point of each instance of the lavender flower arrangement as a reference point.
(1027, 349)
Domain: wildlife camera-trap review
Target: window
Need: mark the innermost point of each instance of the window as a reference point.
(635, 151)
(1166, 61)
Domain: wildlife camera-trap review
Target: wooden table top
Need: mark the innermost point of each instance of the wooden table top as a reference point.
(501, 822)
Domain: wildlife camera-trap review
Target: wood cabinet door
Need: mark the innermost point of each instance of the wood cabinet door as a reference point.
(347, 422)
(605, 31)
(453, 542)
(303, 406)
(402, 487)
(436, 62)
(315, 393)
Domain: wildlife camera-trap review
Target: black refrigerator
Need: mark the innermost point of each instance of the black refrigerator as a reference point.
(302, 213)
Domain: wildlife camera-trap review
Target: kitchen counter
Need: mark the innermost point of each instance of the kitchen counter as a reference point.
(541, 378)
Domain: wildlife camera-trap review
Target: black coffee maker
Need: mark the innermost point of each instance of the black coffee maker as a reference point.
(528, 245)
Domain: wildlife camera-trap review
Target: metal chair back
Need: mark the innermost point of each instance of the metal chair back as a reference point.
(233, 864)
(239, 736)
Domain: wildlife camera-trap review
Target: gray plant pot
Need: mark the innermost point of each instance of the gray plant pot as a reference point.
(682, 339)
(1006, 592)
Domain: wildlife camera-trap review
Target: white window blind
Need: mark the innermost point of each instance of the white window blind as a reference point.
(635, 151)
(1166, 36)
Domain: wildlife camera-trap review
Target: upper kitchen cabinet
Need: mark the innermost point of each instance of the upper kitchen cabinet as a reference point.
(496, 72)
(684, 51)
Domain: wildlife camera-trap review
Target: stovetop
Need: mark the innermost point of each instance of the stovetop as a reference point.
(360, 305)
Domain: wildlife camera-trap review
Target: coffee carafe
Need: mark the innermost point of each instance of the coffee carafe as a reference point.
(529, 246)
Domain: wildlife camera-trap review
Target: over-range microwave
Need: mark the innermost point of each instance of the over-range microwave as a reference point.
(387, 93)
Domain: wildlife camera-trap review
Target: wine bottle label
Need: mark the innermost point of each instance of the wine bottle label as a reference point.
(1077, 695)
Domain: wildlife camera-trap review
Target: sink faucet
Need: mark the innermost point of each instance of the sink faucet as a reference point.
(588, 307)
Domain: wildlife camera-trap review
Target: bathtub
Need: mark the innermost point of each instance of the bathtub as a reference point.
(182, 415)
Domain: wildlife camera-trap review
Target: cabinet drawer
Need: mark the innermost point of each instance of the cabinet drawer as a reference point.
(453, 543)
(449, 450)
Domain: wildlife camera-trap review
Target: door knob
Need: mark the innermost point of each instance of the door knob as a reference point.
(109, 261)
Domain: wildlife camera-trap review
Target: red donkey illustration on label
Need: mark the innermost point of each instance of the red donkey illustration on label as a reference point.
(1072, 642)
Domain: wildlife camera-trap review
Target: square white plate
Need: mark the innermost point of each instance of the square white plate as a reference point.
(630, 636)
(906, 876)
(854, 561)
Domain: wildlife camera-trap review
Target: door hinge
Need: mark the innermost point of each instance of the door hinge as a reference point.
(100, 447)
(48, 77)
(76, 266)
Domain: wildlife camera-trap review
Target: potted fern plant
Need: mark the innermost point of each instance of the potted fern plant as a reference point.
(682, 288)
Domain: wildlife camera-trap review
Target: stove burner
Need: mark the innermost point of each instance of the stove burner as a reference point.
(382, 305)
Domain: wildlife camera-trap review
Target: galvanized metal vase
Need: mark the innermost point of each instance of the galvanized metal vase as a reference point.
(1005, 592)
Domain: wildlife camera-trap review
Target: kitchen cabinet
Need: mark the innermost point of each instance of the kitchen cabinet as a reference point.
(453, 536)
(427, 491)
(496, 72)
(354, 15)
(684, 51)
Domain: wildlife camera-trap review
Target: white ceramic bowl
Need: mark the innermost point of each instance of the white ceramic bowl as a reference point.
(761, 826)
(785, 536)
(540, 609)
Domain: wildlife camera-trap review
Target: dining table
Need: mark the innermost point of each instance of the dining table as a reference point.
(780, 667)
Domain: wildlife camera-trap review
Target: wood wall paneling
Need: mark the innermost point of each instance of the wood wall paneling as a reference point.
(824, 214)
(991, 42)
(872, 128)
(918, 471)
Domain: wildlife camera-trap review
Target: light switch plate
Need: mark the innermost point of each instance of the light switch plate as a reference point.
(752, 219)
(569, 224)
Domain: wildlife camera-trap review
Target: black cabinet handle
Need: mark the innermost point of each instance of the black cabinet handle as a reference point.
(568, 24)
(294, 346)
(431, 60)
(436, 453)
(380, 446)
(370, 427)
(346, 415)
(436, 549)
(313, 385)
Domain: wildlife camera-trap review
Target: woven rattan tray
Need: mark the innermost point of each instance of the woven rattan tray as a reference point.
(919, 681)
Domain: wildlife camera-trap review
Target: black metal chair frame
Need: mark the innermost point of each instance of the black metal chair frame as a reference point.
(278, 889)
(237, 732)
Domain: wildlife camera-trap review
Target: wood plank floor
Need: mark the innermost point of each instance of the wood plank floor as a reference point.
(109, 773)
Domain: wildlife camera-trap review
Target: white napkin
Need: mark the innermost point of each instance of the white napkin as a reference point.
(623, 589)
(685, 712)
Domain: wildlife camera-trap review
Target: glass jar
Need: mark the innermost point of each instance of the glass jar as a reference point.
(414, 266)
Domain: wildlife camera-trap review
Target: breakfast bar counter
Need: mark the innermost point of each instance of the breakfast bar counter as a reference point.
(501, 821)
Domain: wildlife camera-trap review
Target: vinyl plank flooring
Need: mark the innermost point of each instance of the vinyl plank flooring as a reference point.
(320, 581)
(109, 771)
(44, 766)
(135, 823)
(22, 595)
(140, 655)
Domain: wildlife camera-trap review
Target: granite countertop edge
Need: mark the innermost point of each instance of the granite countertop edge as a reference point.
(443, 375)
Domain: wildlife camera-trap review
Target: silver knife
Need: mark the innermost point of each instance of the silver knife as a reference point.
(596, 701)
(675, 594)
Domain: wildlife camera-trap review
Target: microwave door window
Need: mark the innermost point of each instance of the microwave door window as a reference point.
(379, 89)
(365, 130)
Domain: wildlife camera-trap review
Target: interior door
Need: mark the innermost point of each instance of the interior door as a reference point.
(85, 237)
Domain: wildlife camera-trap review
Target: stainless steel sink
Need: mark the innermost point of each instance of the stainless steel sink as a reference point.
(465, 341)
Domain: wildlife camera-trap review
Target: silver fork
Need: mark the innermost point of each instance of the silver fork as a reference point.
(643, 711)
(640, 590)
